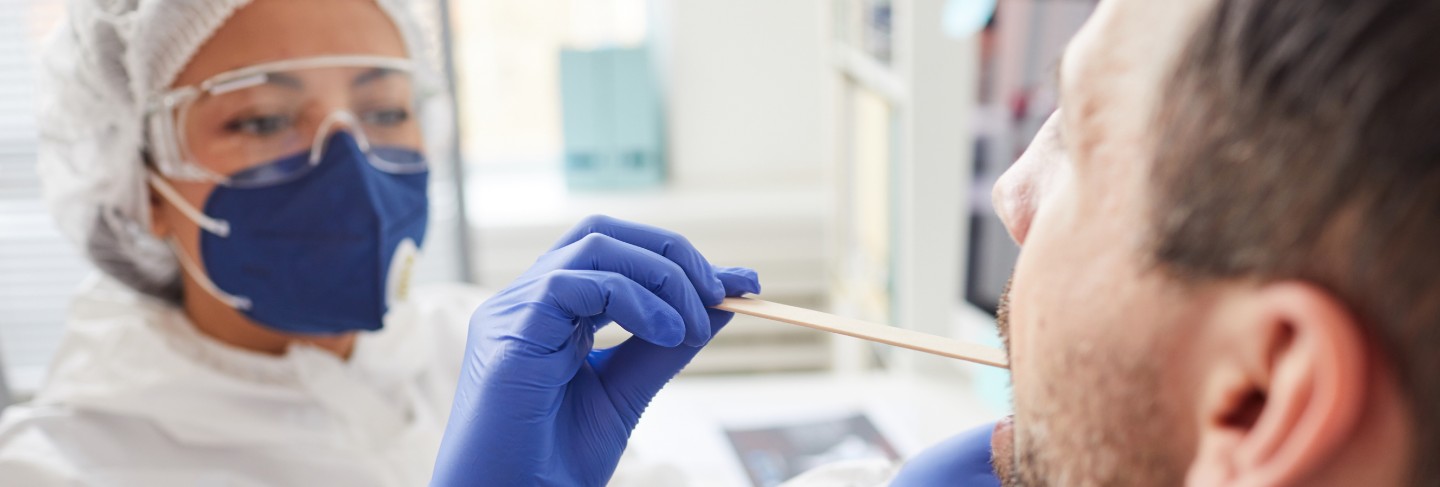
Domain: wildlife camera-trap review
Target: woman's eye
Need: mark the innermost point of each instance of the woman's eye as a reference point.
(388, 117)
(260, 125)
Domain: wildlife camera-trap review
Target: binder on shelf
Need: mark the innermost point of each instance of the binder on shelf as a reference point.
(612, 119)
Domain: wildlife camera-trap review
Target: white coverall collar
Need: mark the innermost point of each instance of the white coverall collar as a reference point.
(130, 355)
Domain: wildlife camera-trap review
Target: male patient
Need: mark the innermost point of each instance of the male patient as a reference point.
(1231, 236)
(1231, 243)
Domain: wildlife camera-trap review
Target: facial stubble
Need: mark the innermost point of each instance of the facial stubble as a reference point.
(1095, 419)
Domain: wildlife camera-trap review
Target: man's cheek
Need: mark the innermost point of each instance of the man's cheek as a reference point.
(1026, 331)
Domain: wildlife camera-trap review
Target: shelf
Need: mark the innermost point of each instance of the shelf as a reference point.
(871, 73)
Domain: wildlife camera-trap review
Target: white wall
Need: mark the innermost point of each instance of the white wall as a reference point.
(743, 78)
(748, 178)
(743, 82)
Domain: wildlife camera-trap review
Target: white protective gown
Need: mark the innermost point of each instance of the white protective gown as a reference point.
(136, 396)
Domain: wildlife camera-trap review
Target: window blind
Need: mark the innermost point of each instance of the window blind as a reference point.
(39, 269)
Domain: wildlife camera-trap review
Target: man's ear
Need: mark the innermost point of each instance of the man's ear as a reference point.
(1284, 389)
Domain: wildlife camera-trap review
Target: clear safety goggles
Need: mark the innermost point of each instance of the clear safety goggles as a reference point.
(267, 124)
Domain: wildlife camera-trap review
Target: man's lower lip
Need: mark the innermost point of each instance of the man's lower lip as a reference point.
(1002, 445)
(1002, 431)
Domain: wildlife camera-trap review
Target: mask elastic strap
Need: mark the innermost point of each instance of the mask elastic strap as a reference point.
(241, 303)
(220, 228)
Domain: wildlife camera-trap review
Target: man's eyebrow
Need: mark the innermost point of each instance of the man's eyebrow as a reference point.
(1059, 131)
(1060, 76)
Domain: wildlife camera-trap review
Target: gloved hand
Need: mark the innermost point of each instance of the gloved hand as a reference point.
(535, 405)
(961, 460)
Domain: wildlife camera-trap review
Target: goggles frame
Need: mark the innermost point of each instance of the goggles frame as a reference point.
(167, 140)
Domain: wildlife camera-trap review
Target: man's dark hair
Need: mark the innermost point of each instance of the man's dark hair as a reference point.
(1300, 139)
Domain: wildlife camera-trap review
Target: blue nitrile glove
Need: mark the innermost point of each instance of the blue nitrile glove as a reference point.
(535, 406)
(962, 460)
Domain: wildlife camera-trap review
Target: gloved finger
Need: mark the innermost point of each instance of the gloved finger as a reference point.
(964, 459)
(659, 275)
(608, 296)
(666, 243)
(634, 371)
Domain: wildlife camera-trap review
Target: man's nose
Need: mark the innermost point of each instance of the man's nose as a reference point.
(1018, 193)
(1015, 199)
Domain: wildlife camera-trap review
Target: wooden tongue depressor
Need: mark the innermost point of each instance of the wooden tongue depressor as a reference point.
(888, 335)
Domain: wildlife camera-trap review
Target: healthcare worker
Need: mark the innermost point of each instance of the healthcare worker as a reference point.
(250, 176)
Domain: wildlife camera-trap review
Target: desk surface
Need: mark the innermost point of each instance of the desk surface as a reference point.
(683, 429)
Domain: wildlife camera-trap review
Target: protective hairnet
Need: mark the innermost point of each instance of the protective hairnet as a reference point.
(106, 63)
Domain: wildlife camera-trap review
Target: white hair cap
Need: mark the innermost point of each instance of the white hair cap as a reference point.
(104, 65)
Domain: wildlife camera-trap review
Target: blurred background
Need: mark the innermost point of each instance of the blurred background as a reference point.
(843, 148)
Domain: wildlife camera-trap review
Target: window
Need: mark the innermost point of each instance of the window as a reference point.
(507, 63)
(39, 269)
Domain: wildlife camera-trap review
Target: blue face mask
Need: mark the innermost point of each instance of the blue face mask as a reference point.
(324, 253)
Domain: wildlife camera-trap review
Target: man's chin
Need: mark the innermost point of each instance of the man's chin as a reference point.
(1002, 451)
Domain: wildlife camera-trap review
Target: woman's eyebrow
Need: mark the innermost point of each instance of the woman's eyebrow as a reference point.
(371, 74)
(284, 80)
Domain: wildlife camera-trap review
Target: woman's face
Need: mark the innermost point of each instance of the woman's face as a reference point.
(228, 133)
